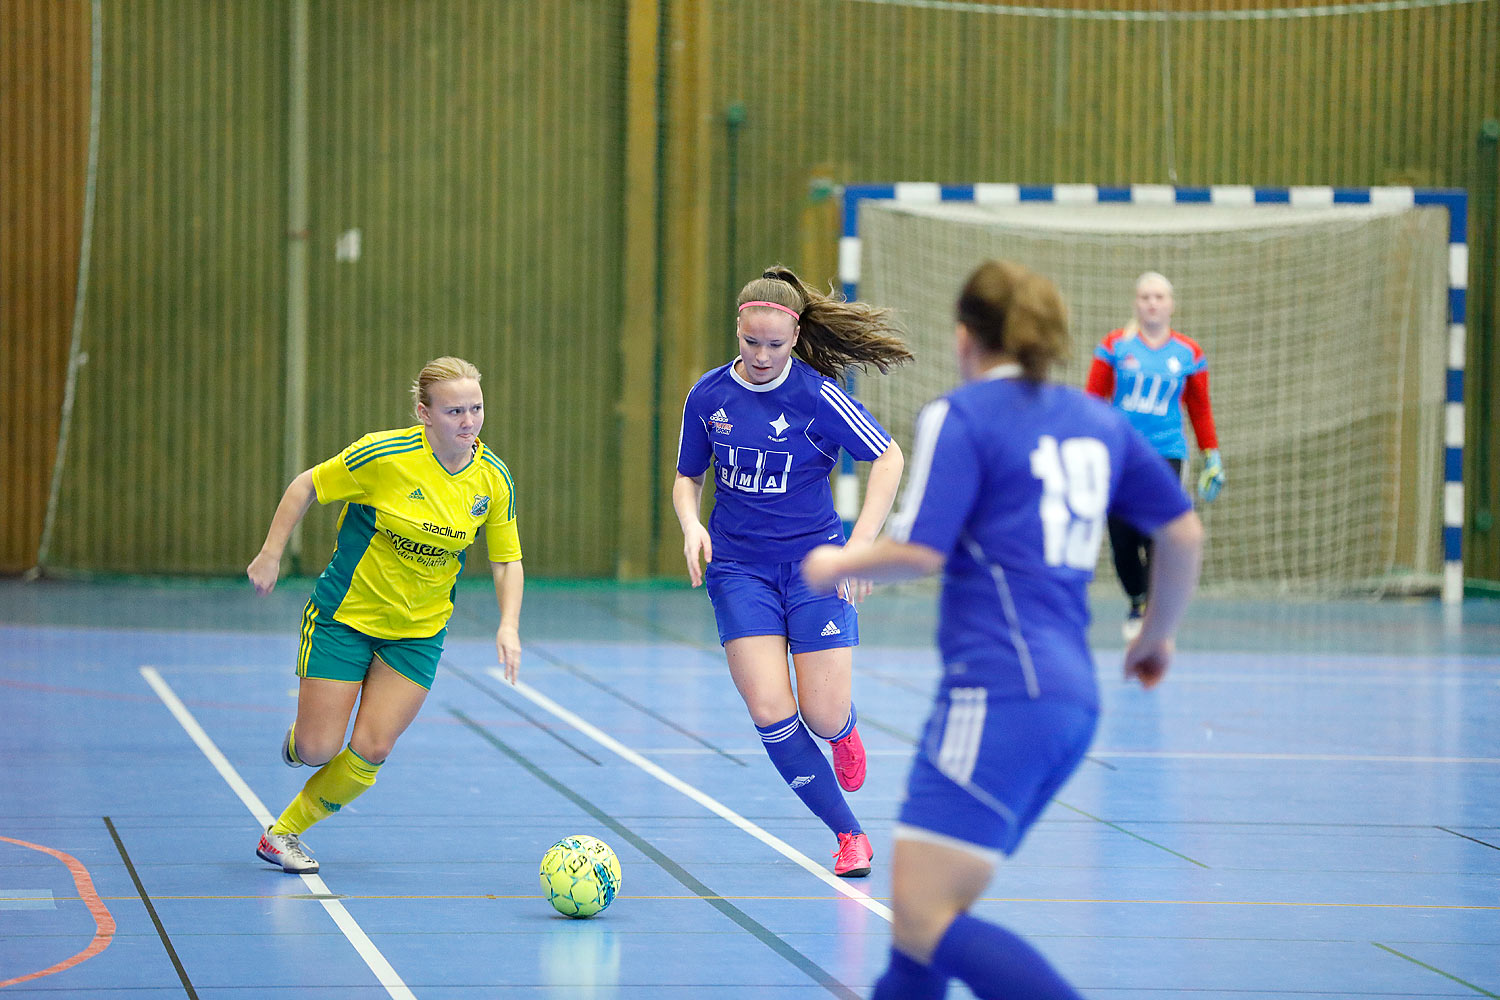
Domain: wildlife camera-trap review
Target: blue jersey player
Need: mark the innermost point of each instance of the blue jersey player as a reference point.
(1012, 479)
(770, 426)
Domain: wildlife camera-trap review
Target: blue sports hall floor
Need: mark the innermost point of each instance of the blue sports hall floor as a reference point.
(1309, 806)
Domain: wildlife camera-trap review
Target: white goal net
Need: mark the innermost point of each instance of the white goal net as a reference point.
(1325, 334)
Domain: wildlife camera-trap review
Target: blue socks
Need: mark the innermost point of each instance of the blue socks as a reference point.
(907, 979)
(996, 963)
(803, 766)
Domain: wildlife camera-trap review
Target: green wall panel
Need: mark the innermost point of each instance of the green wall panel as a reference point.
(478, 148)
(176, 428)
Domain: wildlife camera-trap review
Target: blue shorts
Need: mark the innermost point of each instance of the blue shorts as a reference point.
(987, 767)
(772, 599)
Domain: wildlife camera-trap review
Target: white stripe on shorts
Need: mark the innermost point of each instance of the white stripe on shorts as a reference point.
(905, 831)
(959, 751)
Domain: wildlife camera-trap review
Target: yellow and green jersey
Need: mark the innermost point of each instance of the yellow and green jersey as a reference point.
(402, 535)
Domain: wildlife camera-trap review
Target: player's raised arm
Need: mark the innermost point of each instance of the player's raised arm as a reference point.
(884, 561)
(265, 568)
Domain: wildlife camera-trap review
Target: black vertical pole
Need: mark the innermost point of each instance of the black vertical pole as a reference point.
(734, 120)
(1486, 371)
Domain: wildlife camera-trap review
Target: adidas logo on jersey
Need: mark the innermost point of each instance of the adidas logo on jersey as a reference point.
(416, 494)
(720, 421)
(831, 629)
(801, 779)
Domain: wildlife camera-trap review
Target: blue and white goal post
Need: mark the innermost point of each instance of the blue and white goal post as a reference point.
(1454, 200)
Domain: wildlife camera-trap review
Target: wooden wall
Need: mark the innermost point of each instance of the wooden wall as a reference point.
(545, 188)
(44, 131)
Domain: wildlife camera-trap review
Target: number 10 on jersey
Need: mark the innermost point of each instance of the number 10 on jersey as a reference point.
(1075, 495)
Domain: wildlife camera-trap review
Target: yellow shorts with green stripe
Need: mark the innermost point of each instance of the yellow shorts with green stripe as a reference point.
(332, 651)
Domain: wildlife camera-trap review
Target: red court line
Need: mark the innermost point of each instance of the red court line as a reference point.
(83, 692)
(104, 924)
(124, 696)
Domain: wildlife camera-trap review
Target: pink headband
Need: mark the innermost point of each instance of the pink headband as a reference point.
(772, 305)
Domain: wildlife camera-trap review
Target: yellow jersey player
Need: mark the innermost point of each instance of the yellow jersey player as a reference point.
(414, 501)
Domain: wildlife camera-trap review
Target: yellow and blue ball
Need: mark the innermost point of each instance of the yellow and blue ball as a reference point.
(580, 876)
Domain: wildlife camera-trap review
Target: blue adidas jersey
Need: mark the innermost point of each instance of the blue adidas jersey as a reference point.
(1012, 481)
(1149, 383)
(772, 447)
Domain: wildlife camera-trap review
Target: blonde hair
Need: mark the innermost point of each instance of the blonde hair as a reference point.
(1014, 311)
(1134, 326)
(444, 369)
(835, 335)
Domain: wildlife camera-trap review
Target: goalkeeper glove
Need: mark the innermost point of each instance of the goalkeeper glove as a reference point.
(1211, 479)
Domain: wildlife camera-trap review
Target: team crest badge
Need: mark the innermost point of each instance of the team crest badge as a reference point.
(481, 504)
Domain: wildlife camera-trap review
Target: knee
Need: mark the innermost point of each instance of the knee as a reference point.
(825, 720)
(373, 749)
(313, 749)
(766, 710)
(917, 931)
(824, 726)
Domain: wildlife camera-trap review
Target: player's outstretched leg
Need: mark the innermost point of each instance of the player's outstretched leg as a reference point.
(289, 748)
(851, 859)
(332, 786)
(1133, 618)
(285, 850)
(1128, 547)
(907, 979)
(997, 964)
(848, 754)
(804, 768)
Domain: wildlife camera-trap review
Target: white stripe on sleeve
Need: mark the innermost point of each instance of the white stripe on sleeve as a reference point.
(929, 426)
(869, 432)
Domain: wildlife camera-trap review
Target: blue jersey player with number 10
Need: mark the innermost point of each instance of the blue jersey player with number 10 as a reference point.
(1012, 480)
(771, 426)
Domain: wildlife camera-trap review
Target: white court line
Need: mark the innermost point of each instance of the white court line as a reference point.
(357, 937)
(705, 800)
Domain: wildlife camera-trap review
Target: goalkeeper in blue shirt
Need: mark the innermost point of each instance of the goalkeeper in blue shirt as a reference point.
(1150, 372)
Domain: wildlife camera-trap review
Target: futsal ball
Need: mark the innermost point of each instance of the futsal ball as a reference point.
(580, 876)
